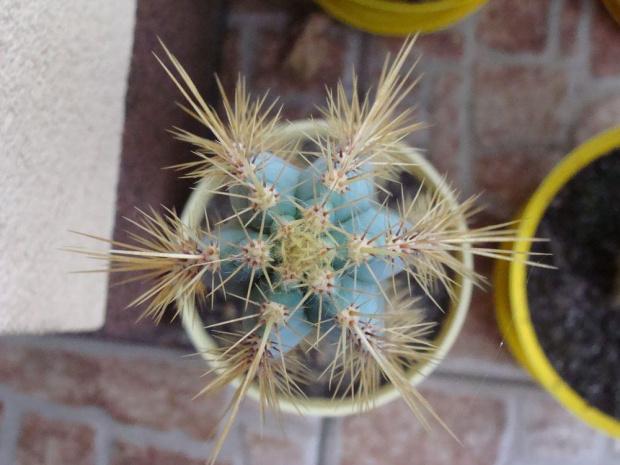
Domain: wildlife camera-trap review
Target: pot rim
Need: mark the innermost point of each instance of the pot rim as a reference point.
(398, 17)
(193, 214)
(512, 307)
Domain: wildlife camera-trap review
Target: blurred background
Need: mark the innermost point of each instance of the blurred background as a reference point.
(506, 94)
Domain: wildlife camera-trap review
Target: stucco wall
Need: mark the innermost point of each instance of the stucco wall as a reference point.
(63, 75)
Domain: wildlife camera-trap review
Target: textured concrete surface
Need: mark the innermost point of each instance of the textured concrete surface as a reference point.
(62, 98)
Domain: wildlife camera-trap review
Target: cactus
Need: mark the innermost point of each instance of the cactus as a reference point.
(311, 251)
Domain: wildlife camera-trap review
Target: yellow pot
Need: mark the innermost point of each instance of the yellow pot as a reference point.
(614, 9)
(398, 18)
(511, 302)
(193, 217)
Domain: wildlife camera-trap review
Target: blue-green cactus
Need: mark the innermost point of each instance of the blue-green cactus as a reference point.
(271, 188)
(306, 258)
(356, 197)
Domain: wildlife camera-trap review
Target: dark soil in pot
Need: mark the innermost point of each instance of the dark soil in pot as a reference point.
(575, 309)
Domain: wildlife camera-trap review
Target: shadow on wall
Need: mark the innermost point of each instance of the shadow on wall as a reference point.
(191, 29)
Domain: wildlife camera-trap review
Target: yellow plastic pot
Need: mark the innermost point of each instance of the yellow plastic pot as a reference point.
(193, 216)
(614, 9)
(511, 300)
(398, 18)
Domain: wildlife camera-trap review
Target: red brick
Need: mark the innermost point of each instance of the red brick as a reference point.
(270, 444)
(304, 58)
(301, 106)
(508, 179)
(443, 44)
(254, 6)
(515, 25)
(130, 454)
(480, 339)
(445, 126)
(600, 115)
(273, 451)
(154, 394)
(231, 56)
(568, 27)
(604, 43)
(159, 395)
(519, 104)
(60, 376)
(374, 56)
(44, 441)
(270, 6)
(392, 434)
(549, 431)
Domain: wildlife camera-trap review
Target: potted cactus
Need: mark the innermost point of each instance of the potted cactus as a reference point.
(307, 228)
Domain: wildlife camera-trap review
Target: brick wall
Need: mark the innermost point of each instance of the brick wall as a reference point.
(506, 94)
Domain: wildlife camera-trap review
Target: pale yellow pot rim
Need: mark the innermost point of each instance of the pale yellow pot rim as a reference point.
(512, 306)
(192, 216)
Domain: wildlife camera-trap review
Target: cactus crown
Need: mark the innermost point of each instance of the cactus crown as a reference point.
(310, 250)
